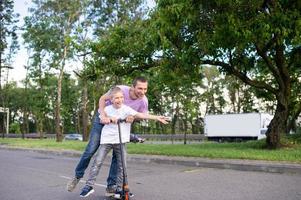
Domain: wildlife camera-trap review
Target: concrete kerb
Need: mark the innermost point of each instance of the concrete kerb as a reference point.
(242, 165)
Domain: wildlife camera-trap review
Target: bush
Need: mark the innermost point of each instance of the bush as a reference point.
(15, 128)
(296, 137)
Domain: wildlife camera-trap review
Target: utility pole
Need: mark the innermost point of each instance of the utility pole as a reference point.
(2, 99)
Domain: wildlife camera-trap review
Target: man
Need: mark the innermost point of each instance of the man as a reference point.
(135, 98)
(110, 140)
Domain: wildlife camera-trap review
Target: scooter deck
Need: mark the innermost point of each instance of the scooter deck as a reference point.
(113, 197)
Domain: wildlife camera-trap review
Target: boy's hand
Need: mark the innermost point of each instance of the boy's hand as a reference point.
(113, 120)
(163, 119)
(104, 119)
(129, 119)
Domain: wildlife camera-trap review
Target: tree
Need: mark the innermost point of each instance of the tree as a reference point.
(50, 29)
(258, 42)
(110, 13)
(81, 42)
(8, 35)
(132, 47)
(213, 86)
(8, 41)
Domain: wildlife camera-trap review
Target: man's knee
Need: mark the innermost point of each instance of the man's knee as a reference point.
(91, 148)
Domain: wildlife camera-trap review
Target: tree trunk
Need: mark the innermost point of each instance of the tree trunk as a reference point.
(41, 127)
(173, 127)
(185, 127)
(85, 113)
(78, 121)
(174, 121)
(58, 124)
(25, 127)
(238, 101)
(1, 93)
(278, 123)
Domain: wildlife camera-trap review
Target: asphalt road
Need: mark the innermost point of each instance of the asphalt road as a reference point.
(26, 175)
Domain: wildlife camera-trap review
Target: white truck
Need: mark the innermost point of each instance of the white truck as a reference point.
(236, 127)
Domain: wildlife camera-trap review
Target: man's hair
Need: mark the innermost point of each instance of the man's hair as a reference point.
(114, 90)
(140, 79)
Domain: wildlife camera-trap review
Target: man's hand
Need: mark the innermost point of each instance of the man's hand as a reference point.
(163, 119)
(129, 119)
(104, 119)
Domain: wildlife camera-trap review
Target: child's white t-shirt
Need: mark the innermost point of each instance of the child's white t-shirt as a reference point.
(110, 134)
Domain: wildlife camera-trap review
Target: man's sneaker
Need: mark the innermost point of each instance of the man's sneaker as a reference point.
(72, 184)
(110, 191)
(135, 138)
(86, 191)
(118, 195)
(141, 140)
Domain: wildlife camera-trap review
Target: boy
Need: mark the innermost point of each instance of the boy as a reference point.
(134, 97)
(110, 138)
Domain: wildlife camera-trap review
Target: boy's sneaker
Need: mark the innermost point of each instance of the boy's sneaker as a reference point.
(110, 191)
(86, 191)
(72, 184)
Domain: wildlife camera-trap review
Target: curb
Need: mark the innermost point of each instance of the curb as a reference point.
(241, 165)
(233, 164)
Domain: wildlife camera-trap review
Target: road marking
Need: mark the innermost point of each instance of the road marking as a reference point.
(192, 170)
(97, 184)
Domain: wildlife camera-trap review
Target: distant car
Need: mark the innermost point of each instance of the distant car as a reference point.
(74, 136)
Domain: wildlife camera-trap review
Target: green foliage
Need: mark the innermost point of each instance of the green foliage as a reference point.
(49, 32)
(8, 44)
(8, 32)
(295, 138)
(186, 57)
(70, 104)
(253, 41)
(123, 49)
(14, 128)
(109, 13)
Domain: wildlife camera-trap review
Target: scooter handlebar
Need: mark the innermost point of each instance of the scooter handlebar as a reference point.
(119, 121)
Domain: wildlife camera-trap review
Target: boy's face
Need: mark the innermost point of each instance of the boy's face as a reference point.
(117, 99)
(140, 89)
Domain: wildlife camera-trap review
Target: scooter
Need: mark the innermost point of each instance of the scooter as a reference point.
(125, 195)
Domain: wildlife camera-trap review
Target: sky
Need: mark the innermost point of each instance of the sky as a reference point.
(18, 72)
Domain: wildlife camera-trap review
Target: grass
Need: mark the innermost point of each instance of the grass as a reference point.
(253, 150)
(248, 150)
(44, 143)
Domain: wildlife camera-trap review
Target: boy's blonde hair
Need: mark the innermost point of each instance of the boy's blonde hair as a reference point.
(114, 90)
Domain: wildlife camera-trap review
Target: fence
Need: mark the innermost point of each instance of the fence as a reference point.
(159, 137)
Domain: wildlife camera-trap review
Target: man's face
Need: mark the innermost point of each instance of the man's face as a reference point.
(117, 99)
(140, 89)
